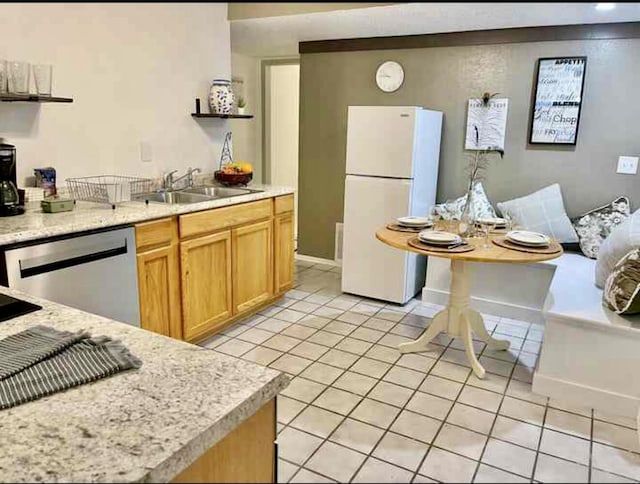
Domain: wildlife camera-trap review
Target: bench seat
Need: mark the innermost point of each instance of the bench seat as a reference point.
(590, 355)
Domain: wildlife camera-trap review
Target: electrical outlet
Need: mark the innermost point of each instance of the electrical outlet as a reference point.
(145, 151)
(627, 165)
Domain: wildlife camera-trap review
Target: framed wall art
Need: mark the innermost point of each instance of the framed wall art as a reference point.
(557, 101)
(486, 124)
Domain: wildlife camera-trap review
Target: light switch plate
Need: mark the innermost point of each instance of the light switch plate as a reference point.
(627, 165)
(145, 151)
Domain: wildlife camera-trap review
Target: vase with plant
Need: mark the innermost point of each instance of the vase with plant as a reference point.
(478, 161)
(241, 105)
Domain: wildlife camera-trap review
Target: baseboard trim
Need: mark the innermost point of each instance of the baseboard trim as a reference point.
(583, 395)
(496, 308)
(237, 317)
(318, 260)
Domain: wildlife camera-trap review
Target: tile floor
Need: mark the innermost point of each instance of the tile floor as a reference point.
(358, 411)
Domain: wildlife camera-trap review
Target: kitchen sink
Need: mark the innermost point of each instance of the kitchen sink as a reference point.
(172, 198)
(220, 192)
(193, 195)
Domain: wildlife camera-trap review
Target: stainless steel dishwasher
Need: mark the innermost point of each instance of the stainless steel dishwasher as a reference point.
(95, 272)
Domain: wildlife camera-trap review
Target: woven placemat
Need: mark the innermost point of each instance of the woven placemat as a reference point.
(553, 247)
(401, 228)
(415, 242)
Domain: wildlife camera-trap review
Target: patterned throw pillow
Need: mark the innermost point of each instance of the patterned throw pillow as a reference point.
(622, 289)
(623, 239)
(480, 206)
(595, 226)
(541, 211)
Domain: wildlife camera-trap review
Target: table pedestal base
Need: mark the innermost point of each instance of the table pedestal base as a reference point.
(458, 320)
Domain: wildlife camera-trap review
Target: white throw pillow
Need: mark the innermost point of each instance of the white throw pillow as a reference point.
(480, 206)
(623, 239)
(542, 211)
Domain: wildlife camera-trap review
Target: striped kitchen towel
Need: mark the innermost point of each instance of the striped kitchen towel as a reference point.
(33, 345)
(41, 360)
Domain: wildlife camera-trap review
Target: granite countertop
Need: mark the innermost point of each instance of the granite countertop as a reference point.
(35, 224)
(144, 425)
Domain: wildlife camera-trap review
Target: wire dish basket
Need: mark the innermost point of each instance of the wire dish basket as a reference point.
(111, 189)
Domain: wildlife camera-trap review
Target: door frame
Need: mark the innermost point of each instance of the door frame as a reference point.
(266, 125)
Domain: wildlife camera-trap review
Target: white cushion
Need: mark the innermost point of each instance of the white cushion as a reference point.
(541, 211)
(480, 206)
(574, 295)
(622, 239)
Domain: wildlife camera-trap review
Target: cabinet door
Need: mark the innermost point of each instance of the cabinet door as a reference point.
(206, 283)
(283, 247)
(159, 291)
(252, 265)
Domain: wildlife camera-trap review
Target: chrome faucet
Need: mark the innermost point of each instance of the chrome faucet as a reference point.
(168, 181)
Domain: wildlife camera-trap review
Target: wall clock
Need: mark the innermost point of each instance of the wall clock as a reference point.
(389, 76)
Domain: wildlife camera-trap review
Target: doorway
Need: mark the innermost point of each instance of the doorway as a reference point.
(281, 95)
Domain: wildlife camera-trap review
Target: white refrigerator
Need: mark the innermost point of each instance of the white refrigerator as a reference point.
(393, 154)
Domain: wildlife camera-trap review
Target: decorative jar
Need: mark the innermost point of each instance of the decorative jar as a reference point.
(221, 97)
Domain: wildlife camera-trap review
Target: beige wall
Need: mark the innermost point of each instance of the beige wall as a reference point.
(245, 10)
(133, 70)
(283, 112)
(247, 133)
(443, 79)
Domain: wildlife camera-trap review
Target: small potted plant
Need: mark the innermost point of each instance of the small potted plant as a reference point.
(242, 104)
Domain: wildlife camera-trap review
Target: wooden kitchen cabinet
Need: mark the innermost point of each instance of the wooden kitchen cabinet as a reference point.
(202, 271)
(205, 264)
(283, 251)
(247, 454)
(283, 243)
(252, 265)
(159, 278)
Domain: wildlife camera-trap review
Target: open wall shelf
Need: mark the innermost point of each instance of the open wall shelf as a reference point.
(223, 116)
(33, 98)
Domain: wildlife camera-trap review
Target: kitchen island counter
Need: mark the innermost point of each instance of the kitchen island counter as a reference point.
(145, 425)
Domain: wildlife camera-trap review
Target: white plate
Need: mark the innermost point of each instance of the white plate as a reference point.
(525, 237)
(498, 221)
(438, 237)
(414, 221)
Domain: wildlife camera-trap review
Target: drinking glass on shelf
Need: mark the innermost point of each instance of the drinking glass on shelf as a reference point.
(18, 77)
(4, 74)
(42, 73)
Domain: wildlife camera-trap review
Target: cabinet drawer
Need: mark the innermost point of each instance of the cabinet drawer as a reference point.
(219, 218)
(156, 232)
(284, 204)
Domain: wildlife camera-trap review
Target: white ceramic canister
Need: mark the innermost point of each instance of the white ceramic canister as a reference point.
(221, 97)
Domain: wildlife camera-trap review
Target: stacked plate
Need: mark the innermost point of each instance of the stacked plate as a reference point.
(440, 239)
(497, 222)
(528, 238)
(414, 222)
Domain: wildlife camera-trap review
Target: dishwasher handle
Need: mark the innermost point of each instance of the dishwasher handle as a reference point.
(34, 270)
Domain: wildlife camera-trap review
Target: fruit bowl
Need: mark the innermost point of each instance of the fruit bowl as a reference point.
(233, 179)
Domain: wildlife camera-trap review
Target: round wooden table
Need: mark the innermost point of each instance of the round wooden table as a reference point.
(458, 320)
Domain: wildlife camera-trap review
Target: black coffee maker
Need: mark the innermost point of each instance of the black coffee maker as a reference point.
(9, 199)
